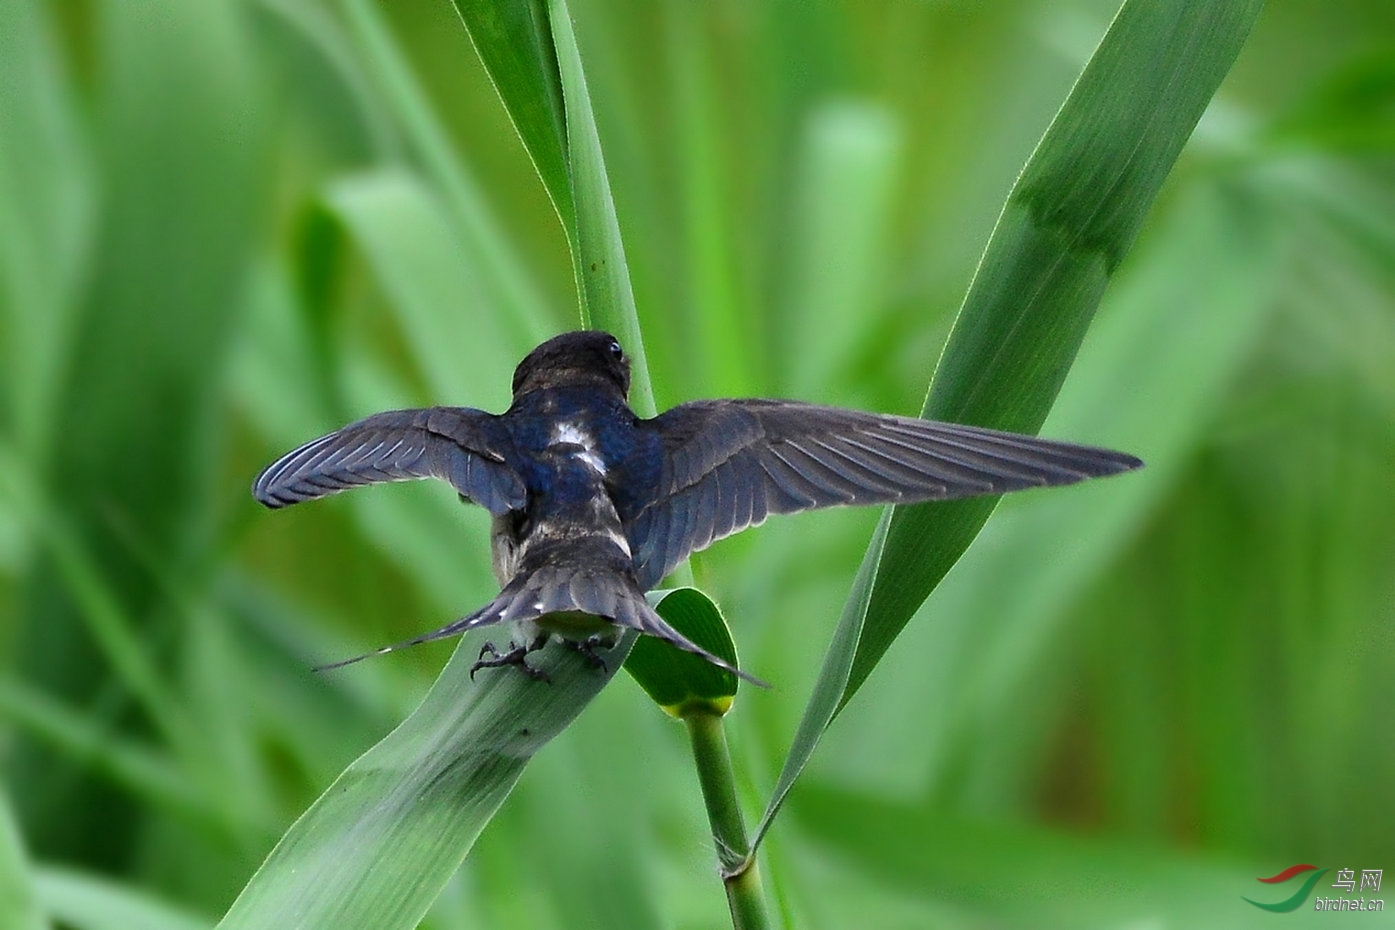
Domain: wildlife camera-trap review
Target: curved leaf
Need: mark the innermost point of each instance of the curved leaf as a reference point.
(514, 41)
(679, 681)
(1068, 222)
(603, 277)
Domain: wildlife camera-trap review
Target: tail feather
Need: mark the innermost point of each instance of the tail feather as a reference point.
(549, 589)
(648, 621)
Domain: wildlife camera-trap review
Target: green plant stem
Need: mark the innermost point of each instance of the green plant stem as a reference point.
(738, 866)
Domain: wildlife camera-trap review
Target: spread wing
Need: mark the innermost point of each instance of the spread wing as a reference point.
(728, 464)
(457, 444)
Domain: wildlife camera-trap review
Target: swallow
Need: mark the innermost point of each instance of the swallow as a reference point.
(593, 505)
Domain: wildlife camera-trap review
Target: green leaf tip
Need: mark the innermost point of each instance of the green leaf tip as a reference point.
(681, 683)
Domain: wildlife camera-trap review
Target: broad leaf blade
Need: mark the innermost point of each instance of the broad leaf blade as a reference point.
(381, 842)
(514, 41)
(1068, 222)
(1146, 380)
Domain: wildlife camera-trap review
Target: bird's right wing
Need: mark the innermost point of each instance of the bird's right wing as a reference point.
(457, 444)
(727, 464)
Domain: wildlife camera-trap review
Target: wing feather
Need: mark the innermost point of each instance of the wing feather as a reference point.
(457, 444)
(729, 464)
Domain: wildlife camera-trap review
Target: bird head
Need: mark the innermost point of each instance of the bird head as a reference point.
(577, 358)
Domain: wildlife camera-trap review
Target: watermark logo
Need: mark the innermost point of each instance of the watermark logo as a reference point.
(1346, 882)
(1294, 902)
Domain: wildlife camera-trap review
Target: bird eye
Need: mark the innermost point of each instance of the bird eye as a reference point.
(615, 351)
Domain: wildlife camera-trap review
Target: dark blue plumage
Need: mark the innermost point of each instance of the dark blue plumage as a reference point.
(593, 505)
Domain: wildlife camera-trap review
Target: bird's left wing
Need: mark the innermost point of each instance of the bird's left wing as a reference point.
(457, 444)
(727, 464)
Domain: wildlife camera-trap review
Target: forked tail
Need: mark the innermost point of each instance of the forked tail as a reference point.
(568, 586)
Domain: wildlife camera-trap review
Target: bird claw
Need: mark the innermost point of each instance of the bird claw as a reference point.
(587, 649)
(516, 655)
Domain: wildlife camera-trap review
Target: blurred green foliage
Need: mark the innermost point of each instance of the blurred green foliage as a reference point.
(228, 226)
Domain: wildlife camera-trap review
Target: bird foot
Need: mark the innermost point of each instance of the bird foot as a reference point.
(587, 648)
(516, 655)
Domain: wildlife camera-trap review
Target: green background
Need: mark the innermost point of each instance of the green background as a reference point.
(227, 227)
